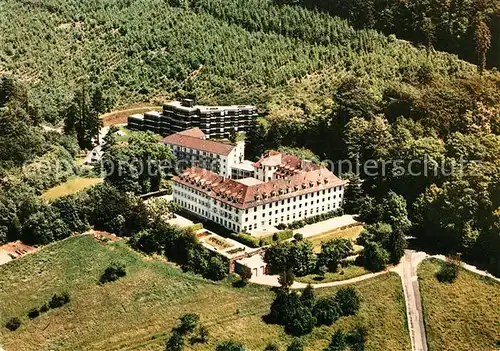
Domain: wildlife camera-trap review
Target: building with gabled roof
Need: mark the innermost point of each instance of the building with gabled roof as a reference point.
(253, 205)
(191, 148)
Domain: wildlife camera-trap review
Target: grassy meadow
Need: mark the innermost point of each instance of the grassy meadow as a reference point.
(138, 311)
(349, 272)
(461, 316)
(71, 186)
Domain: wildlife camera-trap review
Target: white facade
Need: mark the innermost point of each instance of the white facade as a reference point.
(258, 218)
(215, 162)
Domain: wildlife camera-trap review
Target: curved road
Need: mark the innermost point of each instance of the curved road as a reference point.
(407, 270)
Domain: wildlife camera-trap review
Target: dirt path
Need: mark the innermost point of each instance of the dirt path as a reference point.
(120, 116)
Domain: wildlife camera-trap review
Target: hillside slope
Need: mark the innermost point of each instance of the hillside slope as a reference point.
(222, 51)
(138, 311)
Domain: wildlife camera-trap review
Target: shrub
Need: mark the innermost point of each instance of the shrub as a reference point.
(59, 300)
(114, 272)
(13, 323)
(196, 227)
(375, 257)
(45, 307)
(448, 272)
(283, 307)
(230, 346)
(217, 269)
(348, 300)
(175, 342)
(286, 279)
(326, 310)
(188, 323)
(33, 313)
(308, 296)
(302, 322)
(203, 334)
(271, 347)
(298, 237)
(295, 345)
(246, 239)
(245, 274)
(338, 342)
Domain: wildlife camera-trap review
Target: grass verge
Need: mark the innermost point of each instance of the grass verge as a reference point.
(351, 271)
(463, 315)
(348, 233)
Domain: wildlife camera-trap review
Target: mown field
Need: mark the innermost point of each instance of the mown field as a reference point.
(464, 315)
(138, 311)
(347, 233)
(348, 272)
(70, 187)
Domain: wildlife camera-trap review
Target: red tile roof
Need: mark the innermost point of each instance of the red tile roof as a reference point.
(198, 144)
(193, 132)
(241, 195)
(287, 164)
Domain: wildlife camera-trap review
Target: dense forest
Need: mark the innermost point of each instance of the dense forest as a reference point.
(321, 84)
(223, 51)
(470, 28)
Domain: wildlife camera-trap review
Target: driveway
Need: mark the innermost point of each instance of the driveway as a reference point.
(325, 226)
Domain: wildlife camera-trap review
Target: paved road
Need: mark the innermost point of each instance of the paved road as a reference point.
(407, 269)
(272, 280)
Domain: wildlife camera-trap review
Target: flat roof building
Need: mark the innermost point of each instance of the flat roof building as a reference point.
(215, 121)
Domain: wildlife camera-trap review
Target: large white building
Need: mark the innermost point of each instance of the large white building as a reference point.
(192, 148)
(283, 189)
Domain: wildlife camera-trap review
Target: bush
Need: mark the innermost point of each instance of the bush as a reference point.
(196, 227)
(271, 347)
(302, 322)
(175, 342)
(375, 257)
(59, 300)
(230, 346)
(246, 239)
(13, 323)
(348, 300)
(188, 323)
(217, 269)
(298, 237)
(295, 345)
(33, 313)
(245, 274)
(448, 272)
(327, 310)
(114, 272)
(338, 342)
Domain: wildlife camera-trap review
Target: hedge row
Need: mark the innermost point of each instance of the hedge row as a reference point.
(254, 242)
(310, 220)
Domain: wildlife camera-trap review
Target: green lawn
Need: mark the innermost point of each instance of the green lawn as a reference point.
(71, 186)
(138, 311)
(345, 273)
(464, 315)
(348, 233)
